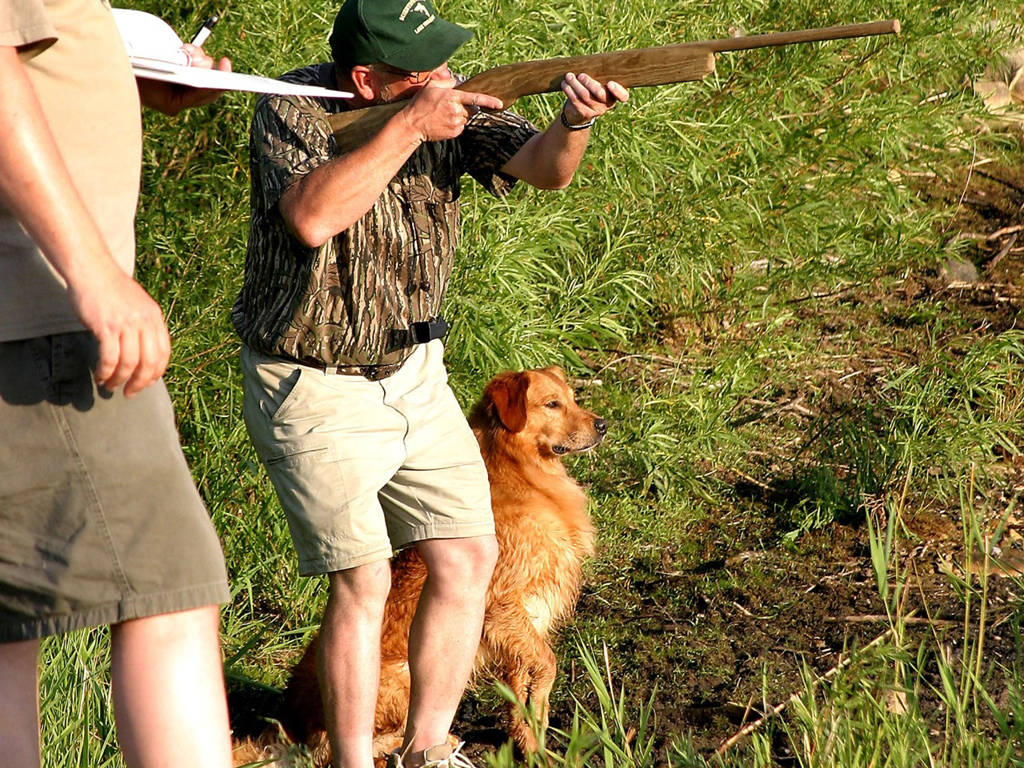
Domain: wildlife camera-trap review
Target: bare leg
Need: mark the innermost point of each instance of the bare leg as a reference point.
(349, 660)
(168, 689)
(19, 704)
(445, 633)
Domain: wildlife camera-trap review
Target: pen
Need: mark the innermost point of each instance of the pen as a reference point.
(204, 31)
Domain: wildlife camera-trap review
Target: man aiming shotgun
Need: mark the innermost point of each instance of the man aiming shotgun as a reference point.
(346, 395)
(350, 251)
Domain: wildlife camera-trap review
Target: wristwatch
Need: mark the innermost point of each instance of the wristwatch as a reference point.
(570, 127)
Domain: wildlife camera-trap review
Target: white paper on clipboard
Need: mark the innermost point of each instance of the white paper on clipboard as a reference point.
(155, 52)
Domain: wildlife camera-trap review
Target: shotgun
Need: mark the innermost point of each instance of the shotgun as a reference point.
(663, 65)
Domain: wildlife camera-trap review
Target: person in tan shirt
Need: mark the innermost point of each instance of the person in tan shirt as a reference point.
(100, 522)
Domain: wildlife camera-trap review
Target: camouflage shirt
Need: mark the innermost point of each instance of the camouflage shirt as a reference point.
(350, 301)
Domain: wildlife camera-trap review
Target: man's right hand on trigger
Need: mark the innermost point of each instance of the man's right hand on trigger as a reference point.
(439, 111)
(134, 344)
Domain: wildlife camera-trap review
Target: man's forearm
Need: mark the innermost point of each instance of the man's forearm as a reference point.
(171, 98)
(134, 346)
(34, 182)
(336, 195)
(549, 159)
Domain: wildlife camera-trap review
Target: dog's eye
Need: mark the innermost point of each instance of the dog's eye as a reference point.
(552, 404)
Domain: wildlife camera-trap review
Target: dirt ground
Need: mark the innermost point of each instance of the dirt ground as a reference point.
(716, 639)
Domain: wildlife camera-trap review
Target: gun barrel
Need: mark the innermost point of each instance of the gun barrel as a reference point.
(842, 32)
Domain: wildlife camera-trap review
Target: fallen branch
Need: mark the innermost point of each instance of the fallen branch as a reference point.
(749, 728)
(1002, 252)
(1005, 231)
(794, 405)
(989, 238)
(871, 618)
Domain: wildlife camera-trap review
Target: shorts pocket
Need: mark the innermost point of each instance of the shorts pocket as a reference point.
(294, 456)
(286, 395)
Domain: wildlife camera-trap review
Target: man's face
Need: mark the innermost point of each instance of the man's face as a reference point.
(397, 84)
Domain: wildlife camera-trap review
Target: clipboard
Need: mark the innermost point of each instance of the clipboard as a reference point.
(155, 52)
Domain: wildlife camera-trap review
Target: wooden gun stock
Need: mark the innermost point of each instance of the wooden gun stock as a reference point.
(663, 65)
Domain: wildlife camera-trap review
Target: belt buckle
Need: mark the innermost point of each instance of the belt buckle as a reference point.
(417, 333)
(428, 330)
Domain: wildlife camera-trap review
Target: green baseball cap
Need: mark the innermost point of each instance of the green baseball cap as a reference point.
(407, 34)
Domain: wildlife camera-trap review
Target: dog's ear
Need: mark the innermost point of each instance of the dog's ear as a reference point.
(507, 395)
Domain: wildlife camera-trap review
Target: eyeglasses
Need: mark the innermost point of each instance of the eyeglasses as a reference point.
(403, 74)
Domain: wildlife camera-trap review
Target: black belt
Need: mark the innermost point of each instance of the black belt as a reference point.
(417, 333)
(371, 372)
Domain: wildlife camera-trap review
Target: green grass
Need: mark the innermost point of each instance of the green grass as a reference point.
(720, 278)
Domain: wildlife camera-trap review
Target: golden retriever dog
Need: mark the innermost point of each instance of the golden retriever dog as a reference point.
(525, 423)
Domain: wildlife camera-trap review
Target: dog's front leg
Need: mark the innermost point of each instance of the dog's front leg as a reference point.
(524, 661)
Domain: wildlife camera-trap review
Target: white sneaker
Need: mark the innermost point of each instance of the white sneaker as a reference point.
(441, 756)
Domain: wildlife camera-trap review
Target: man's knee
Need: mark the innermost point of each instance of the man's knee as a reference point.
(487, 555)
(463, 564)
(364, 586)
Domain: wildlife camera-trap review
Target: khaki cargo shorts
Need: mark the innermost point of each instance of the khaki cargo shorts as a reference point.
(100, 521)
(364, 468)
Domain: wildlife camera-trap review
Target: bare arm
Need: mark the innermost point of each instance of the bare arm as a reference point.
(171, 98)
(333, 197)
(35, 185)
(549, 160)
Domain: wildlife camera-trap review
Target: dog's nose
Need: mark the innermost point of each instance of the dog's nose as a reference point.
(601, 425)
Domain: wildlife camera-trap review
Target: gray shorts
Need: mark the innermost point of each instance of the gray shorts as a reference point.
(100, 521)
(363, 468)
